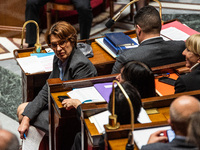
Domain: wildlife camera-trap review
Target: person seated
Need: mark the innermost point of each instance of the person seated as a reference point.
(140, 76)
(180, 111)
(8, 140)
(190, 81)
(32, 13)
(193, 129)
(121, 109)
(69, 63)
(152, 49)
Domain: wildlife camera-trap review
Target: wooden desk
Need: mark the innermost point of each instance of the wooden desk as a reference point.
(59, 117)
(32, 83)
(117, 139)
(63, 125)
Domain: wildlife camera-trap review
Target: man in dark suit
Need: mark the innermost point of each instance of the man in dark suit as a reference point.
(180, 111)
(153, 50)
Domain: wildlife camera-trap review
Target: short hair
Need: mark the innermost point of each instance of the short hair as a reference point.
(148, 19)
(140, 76)
(193, 44)
(121, 104)
(193, 128)
(62, 30)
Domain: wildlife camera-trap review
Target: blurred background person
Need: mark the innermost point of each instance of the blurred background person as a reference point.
(8, 140)
(33, 10)
(193, 129)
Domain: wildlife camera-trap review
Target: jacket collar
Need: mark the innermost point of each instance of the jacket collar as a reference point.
(152, 40)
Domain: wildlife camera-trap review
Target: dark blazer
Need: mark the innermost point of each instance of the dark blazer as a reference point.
(176, 144)
(78, 67)
(154, 52)
(189, 81)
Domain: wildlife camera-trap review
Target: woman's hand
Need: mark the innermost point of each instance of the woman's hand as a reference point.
(70, 103)
(23, 127)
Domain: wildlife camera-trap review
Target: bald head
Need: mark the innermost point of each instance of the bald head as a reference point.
(8, 140)
(180, 111)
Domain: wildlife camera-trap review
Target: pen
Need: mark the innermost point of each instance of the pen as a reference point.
(85, 101)
(24, 135)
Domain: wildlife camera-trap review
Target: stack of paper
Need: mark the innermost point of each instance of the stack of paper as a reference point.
(33, 64)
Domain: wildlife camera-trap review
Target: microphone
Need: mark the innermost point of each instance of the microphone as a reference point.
(113, 124)
(38, 46)
(114, 19)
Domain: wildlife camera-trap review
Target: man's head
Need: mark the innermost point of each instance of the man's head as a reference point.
(180, 111)
(8, 141)
(147, 23)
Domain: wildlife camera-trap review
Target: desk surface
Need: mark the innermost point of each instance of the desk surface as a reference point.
(101, 57)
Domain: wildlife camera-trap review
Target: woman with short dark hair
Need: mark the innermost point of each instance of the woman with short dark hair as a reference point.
(140, 76)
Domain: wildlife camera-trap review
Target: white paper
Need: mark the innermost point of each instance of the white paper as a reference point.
(30, 64)
(47, 62)
(33, 64)
(174, 34)
(33, 139)
(87, 93)
(141, 137)
(100, 120)
(143, 117)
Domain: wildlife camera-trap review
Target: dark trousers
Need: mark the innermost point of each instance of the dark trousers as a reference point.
(32, 13)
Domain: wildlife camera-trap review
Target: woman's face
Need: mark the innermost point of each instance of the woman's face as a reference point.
(119, 76)
(62, 48)
(190, 58)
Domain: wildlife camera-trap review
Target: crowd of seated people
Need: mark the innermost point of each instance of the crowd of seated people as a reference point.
(135, 75)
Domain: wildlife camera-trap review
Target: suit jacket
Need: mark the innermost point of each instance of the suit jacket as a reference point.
(78, 66)
(189, 81)
(154, 52)
(176, 144)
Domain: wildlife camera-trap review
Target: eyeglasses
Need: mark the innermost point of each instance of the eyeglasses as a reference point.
(61, 43)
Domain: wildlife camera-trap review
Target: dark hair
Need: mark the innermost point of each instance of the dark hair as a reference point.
(63, 30)
(121, 104)
(148, 19)
(140, 76)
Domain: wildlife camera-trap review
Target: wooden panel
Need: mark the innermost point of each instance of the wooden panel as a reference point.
(12, 13)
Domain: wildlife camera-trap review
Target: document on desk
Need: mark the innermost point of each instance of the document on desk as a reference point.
(174, 34)
(33, 139)
(102, 118)
(141, 137)
(33, 64)
(87, 94)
